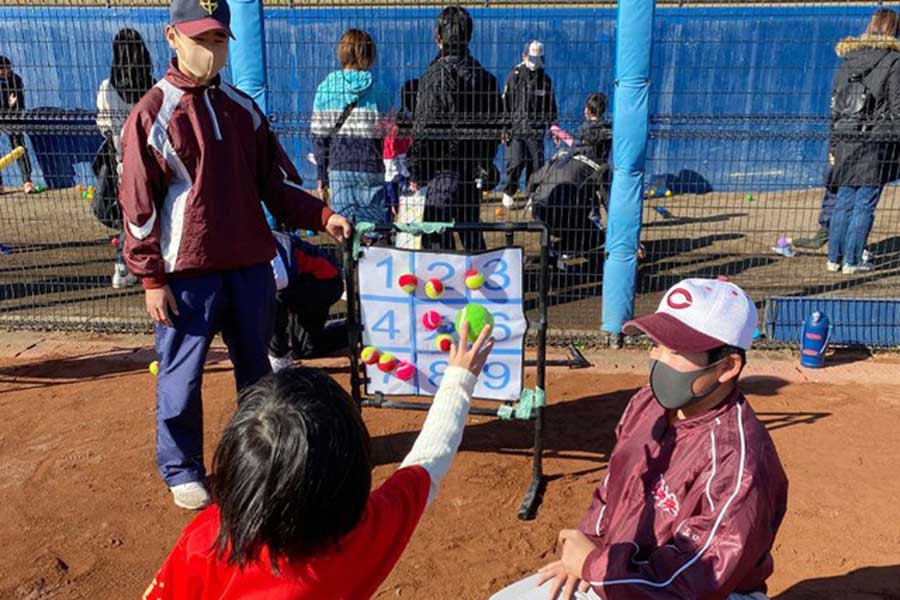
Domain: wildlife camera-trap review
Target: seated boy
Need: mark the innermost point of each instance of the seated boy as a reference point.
(293, 516)
(694, 493)
(308, 283)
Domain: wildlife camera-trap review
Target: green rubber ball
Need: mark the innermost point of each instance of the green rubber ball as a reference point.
(477, 316)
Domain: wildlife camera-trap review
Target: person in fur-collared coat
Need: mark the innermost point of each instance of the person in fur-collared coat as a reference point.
(865, 110)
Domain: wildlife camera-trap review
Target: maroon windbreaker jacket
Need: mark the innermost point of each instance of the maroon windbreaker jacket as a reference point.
(196, 163)
(689, 509)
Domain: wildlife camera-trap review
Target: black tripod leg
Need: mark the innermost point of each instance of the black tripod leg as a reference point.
(535, 492)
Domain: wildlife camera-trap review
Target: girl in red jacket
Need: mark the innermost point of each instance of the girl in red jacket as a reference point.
(293, 516)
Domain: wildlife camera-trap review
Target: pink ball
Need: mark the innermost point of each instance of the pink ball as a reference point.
(431, 320)
(405, 371)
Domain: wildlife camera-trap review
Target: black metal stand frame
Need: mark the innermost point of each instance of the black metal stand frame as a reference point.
(534, 494)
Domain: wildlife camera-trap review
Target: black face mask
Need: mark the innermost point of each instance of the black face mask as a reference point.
(674, 389)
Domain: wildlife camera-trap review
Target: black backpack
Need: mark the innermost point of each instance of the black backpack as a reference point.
(853, 102)
(105, 204)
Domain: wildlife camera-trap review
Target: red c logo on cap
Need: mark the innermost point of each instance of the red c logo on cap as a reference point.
(686, 301)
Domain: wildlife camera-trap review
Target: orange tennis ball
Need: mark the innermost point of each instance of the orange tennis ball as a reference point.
(499, 212)
(405, 371)
(408, 283)
(434, 289)
(474, 280)
(443, 342)
(370, 355)
(387, 363)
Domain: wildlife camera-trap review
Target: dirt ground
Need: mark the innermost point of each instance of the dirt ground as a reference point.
(62, 261)
(84, 515)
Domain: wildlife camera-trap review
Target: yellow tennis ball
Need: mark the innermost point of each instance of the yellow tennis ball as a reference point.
(408, 283)
(154, 367)
(370, 355)
(434, 289)
(443, 342)
(387, 362)
(474, 280)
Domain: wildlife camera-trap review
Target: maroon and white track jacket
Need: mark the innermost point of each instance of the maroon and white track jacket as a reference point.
(688, 509)
(197, 160)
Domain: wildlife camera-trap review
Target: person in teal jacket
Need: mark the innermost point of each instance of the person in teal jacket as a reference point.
(350, 111)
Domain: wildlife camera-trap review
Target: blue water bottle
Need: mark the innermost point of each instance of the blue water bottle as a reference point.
(814, 341)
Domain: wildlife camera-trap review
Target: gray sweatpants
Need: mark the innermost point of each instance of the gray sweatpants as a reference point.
(525, 590)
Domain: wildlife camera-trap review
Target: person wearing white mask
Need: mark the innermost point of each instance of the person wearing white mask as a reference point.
(530, 110)
(197, 157)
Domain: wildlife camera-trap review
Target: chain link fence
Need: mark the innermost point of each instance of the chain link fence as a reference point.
(738, 148)
(739, 181)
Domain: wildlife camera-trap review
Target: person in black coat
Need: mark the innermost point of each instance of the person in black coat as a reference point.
(456, 132)
(530, 106)
(12, 100)
(865, 117)
(568, 191)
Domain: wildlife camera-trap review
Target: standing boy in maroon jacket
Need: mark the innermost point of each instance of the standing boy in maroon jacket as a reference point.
(198, 156)
(695, 491)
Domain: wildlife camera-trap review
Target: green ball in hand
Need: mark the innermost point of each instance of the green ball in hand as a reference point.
(477, 316)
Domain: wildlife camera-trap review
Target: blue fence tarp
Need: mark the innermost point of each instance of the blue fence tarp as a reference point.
(854, 321)
(712, 61)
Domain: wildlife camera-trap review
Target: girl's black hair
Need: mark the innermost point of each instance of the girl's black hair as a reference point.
(292, 471)
(596, 104)
(131, 73)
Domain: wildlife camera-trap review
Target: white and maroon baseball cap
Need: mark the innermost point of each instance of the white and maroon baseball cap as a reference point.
(697, 315)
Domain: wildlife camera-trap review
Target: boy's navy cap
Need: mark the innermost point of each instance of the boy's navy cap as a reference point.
(196, 17)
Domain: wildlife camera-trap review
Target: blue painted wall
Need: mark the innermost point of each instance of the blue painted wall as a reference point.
(713, 62)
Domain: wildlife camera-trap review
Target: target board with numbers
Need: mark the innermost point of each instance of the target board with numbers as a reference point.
(392, 319)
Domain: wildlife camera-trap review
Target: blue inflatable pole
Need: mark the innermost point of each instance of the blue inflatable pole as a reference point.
(631, 117)
(248, 50)
(248, 58)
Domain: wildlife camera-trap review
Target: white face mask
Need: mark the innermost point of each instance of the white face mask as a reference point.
(198, 60)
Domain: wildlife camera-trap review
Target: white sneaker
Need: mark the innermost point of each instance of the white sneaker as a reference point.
(282, 363)
(191, 495)
(832, 267)
(507, 201)
(868, 257)
(122, 278)
(786, 251)
(861, 268)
